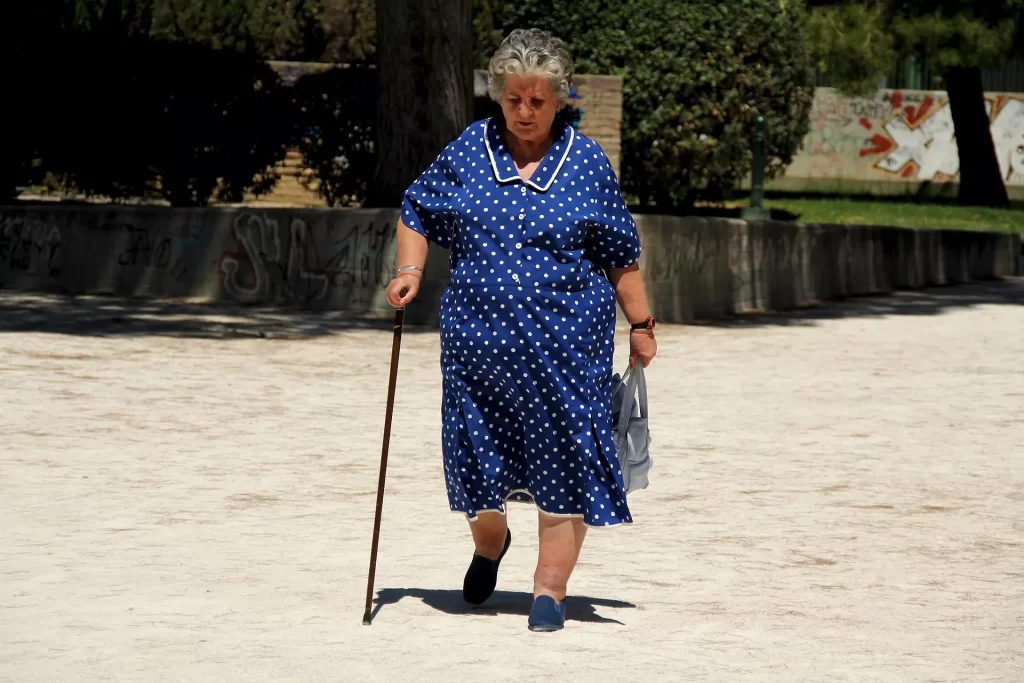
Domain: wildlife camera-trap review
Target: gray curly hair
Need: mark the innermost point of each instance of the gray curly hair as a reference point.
(531, 52)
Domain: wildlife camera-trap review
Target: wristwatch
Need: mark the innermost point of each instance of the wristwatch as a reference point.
(645, 325)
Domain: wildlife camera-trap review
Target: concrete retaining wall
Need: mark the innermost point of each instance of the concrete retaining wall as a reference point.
(708, 268)
(342, 259)
(330, 259)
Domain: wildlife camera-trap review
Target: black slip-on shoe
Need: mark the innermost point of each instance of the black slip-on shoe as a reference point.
(482, 576)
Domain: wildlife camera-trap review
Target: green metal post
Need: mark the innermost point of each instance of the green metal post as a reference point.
(757, 211)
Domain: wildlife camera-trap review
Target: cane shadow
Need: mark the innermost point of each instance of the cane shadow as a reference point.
(579, 608)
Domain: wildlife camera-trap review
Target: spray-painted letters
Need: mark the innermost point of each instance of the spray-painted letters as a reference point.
(280, 259)
(901, 135)
(30, 245)
(154, 248)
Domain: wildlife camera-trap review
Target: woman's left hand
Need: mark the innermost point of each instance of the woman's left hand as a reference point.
(642, 345)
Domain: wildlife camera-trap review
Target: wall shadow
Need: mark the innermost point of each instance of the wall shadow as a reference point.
(109, 316)
(916, 302)
(579, 608)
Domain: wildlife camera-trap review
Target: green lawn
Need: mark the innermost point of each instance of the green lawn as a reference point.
(907, 214)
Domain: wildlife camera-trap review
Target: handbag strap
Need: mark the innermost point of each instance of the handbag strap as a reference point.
(630, 379)
(641, 388)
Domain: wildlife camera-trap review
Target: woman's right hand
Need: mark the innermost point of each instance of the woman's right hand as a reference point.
(403, 289)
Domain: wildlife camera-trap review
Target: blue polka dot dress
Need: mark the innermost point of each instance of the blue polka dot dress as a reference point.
(527, 322)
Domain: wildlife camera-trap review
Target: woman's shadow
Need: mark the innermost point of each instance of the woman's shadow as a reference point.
(579, 608)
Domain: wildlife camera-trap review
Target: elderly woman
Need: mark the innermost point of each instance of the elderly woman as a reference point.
(541, 245)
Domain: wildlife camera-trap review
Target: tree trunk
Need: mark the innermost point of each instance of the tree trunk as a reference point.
(981, 182)
(425, 91)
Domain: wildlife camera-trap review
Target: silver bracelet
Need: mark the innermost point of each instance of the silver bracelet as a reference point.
(405, 268)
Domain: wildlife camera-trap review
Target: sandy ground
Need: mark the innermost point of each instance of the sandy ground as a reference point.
(187, 495)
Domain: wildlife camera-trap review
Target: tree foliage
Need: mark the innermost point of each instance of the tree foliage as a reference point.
(852, 43)
(697, 73)
(351, 30)
(164, 120)
(957, 34)
(273, 29)
(335, 132)
(299, 30)
(860, 41)
(174, 100)
(956, 37)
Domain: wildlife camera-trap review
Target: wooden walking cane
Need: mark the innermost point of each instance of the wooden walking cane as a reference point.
(395, 347)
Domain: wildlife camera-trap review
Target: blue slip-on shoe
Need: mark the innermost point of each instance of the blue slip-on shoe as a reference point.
(482, 576)
(546, 614)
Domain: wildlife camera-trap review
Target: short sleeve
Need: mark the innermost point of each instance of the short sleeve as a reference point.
(427, 206)
(613, 240)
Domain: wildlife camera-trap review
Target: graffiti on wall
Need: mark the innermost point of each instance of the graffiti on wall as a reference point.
(275, 267)
(902, 135)
(343, 260)
(279, 259)
(157, 249)
(30, 245)
(920, 142)
(1008, 136)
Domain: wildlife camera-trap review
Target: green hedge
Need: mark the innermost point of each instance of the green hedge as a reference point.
(696, 75)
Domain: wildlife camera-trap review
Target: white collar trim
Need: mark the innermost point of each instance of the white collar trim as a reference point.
(517, 177)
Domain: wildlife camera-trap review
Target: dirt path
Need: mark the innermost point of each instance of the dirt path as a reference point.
(837, 497)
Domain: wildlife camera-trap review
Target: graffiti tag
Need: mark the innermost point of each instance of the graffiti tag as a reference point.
(30, 246)
(279, 260)
(151, 248)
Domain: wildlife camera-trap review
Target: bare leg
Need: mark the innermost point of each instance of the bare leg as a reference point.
(561, 539)
(489, 532)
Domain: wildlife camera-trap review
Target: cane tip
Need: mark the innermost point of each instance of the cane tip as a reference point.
(366, 619)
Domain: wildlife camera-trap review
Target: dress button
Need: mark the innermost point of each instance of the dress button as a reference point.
(515, 277)
(519, 245)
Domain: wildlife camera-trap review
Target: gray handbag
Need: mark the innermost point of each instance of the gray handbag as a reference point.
(630, 431)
